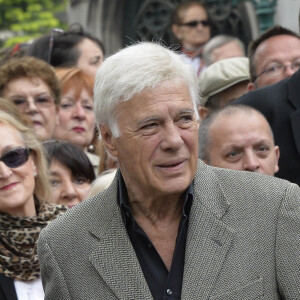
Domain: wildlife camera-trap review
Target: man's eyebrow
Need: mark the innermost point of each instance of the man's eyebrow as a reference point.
(186, 111)
(147, 120)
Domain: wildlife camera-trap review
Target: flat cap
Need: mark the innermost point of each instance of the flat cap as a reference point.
(221, 75)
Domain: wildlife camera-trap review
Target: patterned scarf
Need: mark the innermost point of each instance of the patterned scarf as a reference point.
(18, 237)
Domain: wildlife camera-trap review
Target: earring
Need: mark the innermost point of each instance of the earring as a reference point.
(91, 148)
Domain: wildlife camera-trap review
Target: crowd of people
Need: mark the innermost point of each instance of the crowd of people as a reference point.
(152, 173)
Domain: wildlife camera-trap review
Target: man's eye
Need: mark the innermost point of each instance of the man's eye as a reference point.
(262, 149)
(273, 69)
(187, 118)
(149, 126)
(232, 154)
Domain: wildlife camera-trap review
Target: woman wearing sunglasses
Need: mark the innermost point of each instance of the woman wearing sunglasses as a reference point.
(191, 26)
(70, 171)
(24, 189)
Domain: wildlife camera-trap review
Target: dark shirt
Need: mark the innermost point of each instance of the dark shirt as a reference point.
(162, 283)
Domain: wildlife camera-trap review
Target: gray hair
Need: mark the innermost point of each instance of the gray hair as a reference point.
(130, 71)
(205, 140)
(217, 42)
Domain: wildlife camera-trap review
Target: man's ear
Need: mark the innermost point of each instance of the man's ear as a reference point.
(250, 86)
(176, 31)
(108, 140)
(277, 153)
(203, 112)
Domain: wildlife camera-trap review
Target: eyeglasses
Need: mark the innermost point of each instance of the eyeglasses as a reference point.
(277, 69)
(51, 41)
(195, 23)
(41, 101)
(16, 157)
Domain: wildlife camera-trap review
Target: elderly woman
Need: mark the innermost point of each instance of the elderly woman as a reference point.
(71, 173)
(24, 212)
(31, 84)
(76, 120)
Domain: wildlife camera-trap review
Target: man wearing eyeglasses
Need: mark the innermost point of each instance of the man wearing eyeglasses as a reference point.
(275, 55)
(191, 27)
(280, 102)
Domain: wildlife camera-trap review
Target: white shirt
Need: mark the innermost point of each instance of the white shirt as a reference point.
(29, 290)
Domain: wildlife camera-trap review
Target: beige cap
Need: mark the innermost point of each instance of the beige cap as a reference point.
(221, 75)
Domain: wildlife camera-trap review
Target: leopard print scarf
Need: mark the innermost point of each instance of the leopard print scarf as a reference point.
(18, 237)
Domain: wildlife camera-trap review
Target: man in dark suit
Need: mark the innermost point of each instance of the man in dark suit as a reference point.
(280, 104)
(169, 226)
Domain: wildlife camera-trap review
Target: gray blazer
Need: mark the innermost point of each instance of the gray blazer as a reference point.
(243, 243)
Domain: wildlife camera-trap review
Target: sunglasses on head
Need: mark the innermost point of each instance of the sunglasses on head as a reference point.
(195, 23)
(15, 157)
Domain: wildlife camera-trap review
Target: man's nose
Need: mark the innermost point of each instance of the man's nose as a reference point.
(172, 138)
(250, 161)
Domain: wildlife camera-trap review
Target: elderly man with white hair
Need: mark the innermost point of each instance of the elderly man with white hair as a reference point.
(169, 227)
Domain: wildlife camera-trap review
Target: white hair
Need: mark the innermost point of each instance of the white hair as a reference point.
(217, 42)
(130, 71)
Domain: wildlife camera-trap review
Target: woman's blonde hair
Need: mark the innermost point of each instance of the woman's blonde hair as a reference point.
(42, 188)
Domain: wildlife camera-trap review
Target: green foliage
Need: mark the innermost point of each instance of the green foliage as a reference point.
(25, 20)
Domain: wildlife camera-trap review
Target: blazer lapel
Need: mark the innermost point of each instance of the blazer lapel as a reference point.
(115, 258)
(294, 98)
(208, 238)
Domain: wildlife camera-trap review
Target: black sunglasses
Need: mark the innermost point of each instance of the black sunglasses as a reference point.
(51, 41)
(195, 23)
(15, 157)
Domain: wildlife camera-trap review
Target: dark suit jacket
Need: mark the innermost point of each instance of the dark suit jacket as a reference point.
(7, 288)
(280, 103)
(242, 243)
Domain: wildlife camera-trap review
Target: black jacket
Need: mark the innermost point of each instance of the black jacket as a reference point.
(280, 104)
(7, 288)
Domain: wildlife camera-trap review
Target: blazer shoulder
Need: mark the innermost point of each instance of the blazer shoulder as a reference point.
(266, 94)
(253, 184)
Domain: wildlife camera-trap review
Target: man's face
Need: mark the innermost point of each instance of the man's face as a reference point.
(229, 50)
(278, 50)
(158, 143)
(243, 141)
(193, 37)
